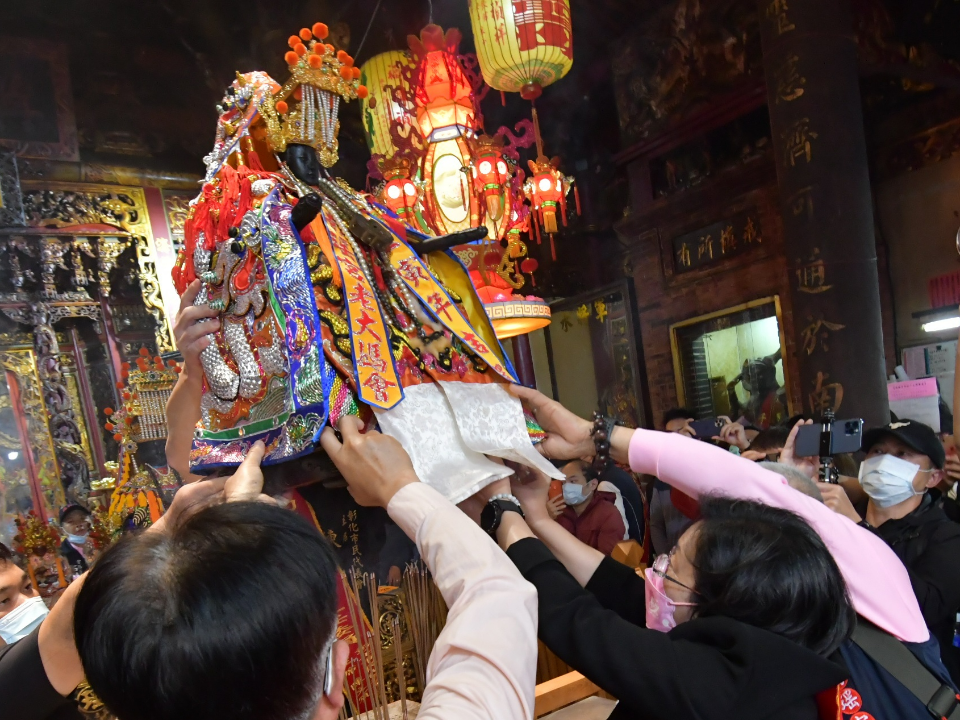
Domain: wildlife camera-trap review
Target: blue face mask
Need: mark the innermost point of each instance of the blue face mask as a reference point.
(573, 494)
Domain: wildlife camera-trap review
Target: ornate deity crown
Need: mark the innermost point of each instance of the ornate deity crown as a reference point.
(306, 108)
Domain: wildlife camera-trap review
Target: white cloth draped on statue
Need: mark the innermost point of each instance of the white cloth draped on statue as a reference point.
(448, 427)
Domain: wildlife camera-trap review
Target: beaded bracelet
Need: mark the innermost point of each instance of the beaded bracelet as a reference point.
(601, 433)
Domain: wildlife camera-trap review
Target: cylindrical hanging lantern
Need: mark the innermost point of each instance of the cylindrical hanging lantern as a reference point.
(381, 74)
(522, 46)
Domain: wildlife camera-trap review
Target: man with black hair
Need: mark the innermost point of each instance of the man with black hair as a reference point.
(229, 610)
(590, 514)
(21, 608)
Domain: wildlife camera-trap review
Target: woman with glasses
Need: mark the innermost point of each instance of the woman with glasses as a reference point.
(739, 621)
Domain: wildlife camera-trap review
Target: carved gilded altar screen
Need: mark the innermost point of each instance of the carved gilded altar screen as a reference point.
(28, 466)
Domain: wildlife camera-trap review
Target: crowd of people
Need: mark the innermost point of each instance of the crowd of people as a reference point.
(767, 593)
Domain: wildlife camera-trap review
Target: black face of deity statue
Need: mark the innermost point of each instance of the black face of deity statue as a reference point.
(303, 162)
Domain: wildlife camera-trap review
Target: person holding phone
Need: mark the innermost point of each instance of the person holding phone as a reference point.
(590, 514)
(904, 464)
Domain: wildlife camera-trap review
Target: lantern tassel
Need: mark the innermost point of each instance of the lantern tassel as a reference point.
(536, 227)
(576, 197)
(553, 249)
(563, 209)
(503, 98)
(536, 134)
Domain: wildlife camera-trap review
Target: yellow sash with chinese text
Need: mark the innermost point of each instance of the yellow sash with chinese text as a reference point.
(377, 379)
(422, 283)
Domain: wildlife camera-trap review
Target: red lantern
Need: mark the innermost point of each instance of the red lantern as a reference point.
(547, 192)
(399, 192)
(444, 95)
(492, 177)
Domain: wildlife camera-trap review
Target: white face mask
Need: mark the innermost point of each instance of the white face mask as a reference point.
(888, 480)
(22, 620)
(574, 494)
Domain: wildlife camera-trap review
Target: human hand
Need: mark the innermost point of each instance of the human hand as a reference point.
(835, 498)
(755, 455)
(190, 499)
(951, 470)
(568, 436)
(374, 465)
(809, 466)
(555, 507)
(474, 504)
(246, 484)
(531, 487)
(191, 327)
(735, 434)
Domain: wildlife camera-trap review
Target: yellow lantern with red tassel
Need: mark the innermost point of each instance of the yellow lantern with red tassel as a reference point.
(522, 45)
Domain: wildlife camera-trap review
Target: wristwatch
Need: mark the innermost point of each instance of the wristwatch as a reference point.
(492, 513)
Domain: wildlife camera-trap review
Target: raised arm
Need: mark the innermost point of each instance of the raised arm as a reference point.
(183, 407)
(483, 666)
(877, 581)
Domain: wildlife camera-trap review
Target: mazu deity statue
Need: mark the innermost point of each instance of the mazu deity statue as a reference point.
(329, 304)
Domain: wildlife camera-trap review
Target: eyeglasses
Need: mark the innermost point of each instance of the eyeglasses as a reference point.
(660, 567)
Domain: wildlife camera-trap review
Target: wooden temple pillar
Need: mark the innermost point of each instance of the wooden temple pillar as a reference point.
(810, 67)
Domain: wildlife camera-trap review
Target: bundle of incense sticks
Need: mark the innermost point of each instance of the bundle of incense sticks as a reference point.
(426, 615)
(371, 650)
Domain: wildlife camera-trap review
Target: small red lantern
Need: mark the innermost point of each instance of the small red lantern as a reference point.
(547, 192)
(399, 192)
(492, 176)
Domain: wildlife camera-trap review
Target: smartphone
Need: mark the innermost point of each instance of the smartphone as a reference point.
(845, 437)
(707, 428)
(556, 489)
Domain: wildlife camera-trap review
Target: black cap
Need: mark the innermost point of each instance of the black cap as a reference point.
(914, 435)
(72, 506)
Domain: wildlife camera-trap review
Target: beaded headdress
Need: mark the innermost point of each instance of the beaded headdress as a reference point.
(306, 108)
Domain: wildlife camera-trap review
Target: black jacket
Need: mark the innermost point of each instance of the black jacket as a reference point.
(24, 688)
(73, 557)
(704, 669)
(928, 544)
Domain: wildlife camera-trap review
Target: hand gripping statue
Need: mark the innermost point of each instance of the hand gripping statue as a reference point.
(329, 304)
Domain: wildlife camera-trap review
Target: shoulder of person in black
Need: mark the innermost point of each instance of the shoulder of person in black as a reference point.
(709, 669)
(27, 693)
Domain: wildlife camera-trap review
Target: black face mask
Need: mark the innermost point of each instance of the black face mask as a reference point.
(303, 162)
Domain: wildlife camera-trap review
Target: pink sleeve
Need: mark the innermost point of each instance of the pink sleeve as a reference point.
(877, 581)
(484, 663)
